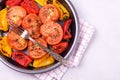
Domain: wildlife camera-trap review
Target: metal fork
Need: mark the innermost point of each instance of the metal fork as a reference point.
(24, 34)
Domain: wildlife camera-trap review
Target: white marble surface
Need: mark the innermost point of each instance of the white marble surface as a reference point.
(102, 58)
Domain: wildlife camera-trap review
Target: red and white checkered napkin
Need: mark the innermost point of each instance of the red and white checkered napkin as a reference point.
(86, 32)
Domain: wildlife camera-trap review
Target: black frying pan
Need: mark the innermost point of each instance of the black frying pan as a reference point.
(66, 54)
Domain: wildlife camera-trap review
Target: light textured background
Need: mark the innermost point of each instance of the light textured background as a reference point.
(102, 58)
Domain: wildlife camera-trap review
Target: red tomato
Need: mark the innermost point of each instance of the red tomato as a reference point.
(60, 47)
(48, 13)
(30, 6)
(12, 3)
(21, 58)
(32, 23)
(15, 41)
(16, 14)
(34, 50)
(52, 31)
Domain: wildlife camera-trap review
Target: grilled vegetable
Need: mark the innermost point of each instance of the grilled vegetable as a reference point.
(48, 13)
(44, 61)
(4, 47)
(3, 20)
(32, 23)
(21, 58)
(16, 14)
(16, 42)
(64, 14)
(41, 2)
(34, 51)
(66, 33)
(52, 31)
(12, 3)
(30, 6)
(60, 47)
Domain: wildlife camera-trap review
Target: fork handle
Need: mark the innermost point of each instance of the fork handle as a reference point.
(55, 55)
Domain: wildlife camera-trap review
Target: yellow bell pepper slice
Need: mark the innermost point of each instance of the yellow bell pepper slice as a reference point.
(5, 48)
(3, 20)
(41, 2)
(64, 14)
(44, 61)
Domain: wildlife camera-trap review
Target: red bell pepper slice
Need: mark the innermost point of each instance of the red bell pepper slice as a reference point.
(12, 3)
(66, 33)
(30, 6)
(60, 47)
(21, 58)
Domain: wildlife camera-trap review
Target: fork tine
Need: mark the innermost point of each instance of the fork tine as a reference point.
(16, 30)
(12, 24)
(21, 28)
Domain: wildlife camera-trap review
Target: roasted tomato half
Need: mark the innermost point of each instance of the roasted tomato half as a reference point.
(52, 31)
(15, 41)
(48, 13)
(34, 50)
(15, 15)
(32, 23)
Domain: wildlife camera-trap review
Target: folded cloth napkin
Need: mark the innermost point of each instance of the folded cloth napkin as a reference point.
(86, 32)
